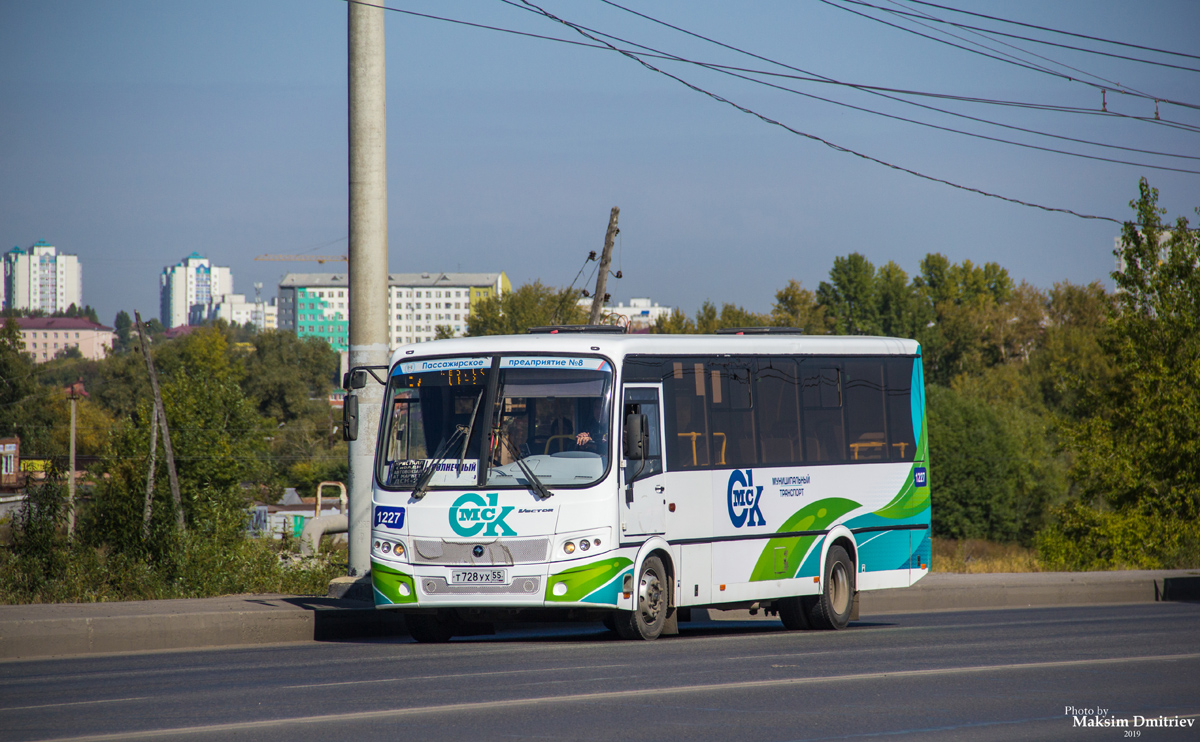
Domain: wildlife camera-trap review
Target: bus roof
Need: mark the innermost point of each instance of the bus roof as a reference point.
(618, 346)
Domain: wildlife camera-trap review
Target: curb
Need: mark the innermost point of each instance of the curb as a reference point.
(53, 630)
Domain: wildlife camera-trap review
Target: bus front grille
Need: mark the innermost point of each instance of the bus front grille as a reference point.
(519, 586)
(498, 552)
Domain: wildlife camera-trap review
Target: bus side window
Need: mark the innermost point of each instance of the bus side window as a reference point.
(824, 433)
(777, 411)
(865, 429)
(901, 445)
(731, 415)
(688, 436)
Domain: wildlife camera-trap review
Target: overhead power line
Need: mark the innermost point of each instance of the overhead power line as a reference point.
(1009, 59)
(806, 135)
(1055, 30)
(992, 31)
(878, 91)
(817, 78)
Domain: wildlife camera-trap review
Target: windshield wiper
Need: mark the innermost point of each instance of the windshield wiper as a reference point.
(531, 479)
(463, 431)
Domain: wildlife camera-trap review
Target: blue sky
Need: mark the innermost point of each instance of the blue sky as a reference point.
(137, 132)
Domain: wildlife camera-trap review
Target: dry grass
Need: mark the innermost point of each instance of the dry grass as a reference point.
(975, 556)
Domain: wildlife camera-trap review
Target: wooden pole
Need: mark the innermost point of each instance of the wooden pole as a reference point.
(605, 261)
(150, 472)
(162, 421)
(71, 473)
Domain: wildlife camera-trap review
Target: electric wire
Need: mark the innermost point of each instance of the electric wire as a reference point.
(727, 71)
(1116, 86)
(996, 32)
(797, 132)
(1009, 59)
(1055, 30)
(816, 78)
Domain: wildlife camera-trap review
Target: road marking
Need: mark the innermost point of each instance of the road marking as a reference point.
(411, 678)
(639, 693)
(74, 703)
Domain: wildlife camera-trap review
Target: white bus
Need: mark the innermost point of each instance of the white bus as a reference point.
(631, 478)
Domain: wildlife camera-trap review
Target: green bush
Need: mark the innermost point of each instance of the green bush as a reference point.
(1083, 538)
(198, 568)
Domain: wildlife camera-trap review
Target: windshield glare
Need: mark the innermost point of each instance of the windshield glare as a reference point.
(554, 417)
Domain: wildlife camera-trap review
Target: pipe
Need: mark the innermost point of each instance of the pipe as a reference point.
(315, 528)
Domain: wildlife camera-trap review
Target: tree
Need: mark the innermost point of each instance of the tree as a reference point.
(849, 296)
(531, 305)
(287, 377)
(1141, 448)
(123, 324)
(796, 306)
(219, 441)
(971, 458)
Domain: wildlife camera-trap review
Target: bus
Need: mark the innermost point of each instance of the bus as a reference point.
(577, 474)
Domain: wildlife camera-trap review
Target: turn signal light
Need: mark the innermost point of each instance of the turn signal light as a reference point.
(569, 547)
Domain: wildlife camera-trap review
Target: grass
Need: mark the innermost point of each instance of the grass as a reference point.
(976, 556)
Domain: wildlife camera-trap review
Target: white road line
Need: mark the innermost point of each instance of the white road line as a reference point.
(640, 693)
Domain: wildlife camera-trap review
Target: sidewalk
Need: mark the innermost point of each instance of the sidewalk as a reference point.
(29, 631)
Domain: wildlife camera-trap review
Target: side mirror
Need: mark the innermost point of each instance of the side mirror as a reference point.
(354, 380)
(350, 418)
(635, 436)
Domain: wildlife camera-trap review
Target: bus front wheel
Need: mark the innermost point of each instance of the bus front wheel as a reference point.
(831, 609)
(646, 622)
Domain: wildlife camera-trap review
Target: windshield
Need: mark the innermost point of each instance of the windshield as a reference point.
(549, 415)
(554, 415)
(432, 410)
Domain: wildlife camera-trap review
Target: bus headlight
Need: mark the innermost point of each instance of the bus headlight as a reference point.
(569, 547)
(392, 549)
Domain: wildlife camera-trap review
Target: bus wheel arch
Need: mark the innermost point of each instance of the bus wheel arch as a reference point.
(653, 595)
(831, 608)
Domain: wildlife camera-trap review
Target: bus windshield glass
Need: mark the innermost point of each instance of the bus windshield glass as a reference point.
(433, 412)
(553, 415)
(550, 416)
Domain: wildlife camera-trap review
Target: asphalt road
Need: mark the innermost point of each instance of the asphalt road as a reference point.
(1002, 674)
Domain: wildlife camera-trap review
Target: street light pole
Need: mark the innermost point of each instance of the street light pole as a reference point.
(368, 254)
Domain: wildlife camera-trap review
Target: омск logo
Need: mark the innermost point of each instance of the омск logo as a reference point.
(744, 500)
(471, 514)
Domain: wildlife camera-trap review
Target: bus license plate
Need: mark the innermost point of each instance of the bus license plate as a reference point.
(479, 577)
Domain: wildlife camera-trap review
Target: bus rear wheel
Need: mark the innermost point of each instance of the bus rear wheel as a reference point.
(831, 609)
(647, 621)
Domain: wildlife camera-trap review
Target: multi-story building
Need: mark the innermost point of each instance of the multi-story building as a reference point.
(195, 281)
(41, 278)
(235, 308)
(317, 304)
(639, 316)
(46, 337)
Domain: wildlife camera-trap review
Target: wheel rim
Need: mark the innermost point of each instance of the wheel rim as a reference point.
(650, 596)
(839, 589)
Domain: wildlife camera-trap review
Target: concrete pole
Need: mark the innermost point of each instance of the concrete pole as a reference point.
(368, 255)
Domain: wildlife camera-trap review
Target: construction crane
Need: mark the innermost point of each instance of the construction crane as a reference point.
(305, 258)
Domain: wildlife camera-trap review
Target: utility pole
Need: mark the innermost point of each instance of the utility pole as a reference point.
(162, 421)
(368, 254)
(73, 394)
(605, 261)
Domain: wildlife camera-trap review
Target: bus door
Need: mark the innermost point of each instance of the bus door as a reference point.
(643, 484)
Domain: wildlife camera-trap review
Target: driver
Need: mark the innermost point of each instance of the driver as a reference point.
(593, 434)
